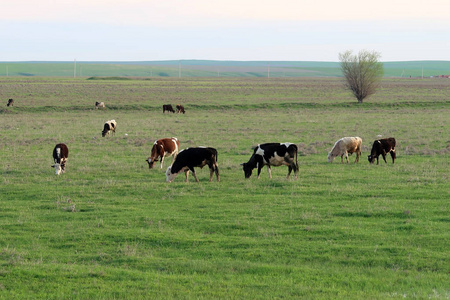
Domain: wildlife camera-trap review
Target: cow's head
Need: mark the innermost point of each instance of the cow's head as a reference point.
(331, 157)
(247, 170)
(169, 175)
(150, 162)
(59, 169)
(371, 158)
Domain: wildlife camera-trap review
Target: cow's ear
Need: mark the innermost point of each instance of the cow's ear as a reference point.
(52, 166)
(242, 164)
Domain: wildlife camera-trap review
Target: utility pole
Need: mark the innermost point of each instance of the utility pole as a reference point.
(75, 68)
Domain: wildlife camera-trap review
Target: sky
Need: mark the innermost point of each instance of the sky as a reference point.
(245, 30)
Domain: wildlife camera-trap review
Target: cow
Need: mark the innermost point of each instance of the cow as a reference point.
(110, 126)
(99, 105)
(10, 102)
(168, 107)
(272, 154)
(163, 148)
(180, 109)
(383, 147)
(60, 155)
(189, 158)
(346, 146)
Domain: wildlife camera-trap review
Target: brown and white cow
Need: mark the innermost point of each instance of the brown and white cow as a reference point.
(180, 109)
(168, 107)
(346, 146)
(99, 104)
(383, 147)
(60, 155)
(272, 154)
(163, 148)
(110, 126)
(189, 158)
(10, 102)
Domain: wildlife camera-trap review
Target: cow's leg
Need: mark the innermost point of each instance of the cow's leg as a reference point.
(162, 159)
(269, 170)
(357, 156)
(211, 173)
(289, 172)
(186, 173)
(294, 167)
(393, 155)
(259, 166)
(216, 170)
(195, 176)
(378, 160)
(383, 153)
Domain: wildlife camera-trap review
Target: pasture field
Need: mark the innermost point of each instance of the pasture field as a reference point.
(110, 228)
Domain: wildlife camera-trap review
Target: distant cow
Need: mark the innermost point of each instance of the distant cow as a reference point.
(10, 102)
(168, 107)
(180, 109)
(383, 147)
(346, 146)
(60, 155)
(110, 126)
(272, 154)
(163, 148)
(189, 158)
(99, 104)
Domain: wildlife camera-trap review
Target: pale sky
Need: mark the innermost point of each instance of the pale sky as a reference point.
(280, 30)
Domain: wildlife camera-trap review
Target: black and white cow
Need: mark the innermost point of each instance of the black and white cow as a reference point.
(272, 154)
(60, 155)
(110, 126)
(189, 158)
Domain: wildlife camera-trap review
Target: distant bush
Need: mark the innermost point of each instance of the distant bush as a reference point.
(163, 74)
(108, 78)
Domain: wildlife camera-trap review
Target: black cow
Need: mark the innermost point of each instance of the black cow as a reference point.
(272, 154)
(383, 147)
(189, 158)
(168, 107)
(60, 155)
(180, 109)
(10, 102)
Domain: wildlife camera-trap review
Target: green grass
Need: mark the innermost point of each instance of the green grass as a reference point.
(111, 228)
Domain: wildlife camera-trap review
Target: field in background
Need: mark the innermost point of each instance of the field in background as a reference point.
(207, 68)
(111, 228)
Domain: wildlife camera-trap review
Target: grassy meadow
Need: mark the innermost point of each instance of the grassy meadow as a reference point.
(110, 228)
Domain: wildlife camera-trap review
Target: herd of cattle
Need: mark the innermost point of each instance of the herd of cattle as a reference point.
(269, 154)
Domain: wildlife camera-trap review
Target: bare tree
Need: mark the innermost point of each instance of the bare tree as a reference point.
(362, 72)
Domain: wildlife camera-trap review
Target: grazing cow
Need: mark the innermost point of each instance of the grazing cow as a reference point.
(163, 148)
(346, 146)
(110, 126)
(189, 158)
(99, 104)
(10, 102)
(180, 109)
(168, 107)
(383, 147)
(60, 155)
(272, 154)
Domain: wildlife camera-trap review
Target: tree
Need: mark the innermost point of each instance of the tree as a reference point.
(362, 72)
